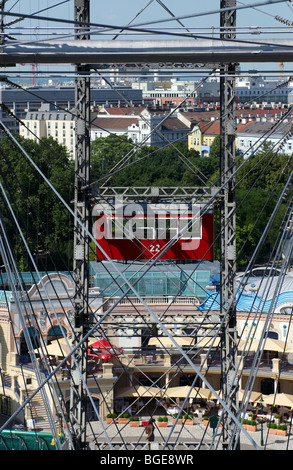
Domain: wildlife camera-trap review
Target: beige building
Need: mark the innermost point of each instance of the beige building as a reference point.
(46, 315)
(47, 122)
(110, 386)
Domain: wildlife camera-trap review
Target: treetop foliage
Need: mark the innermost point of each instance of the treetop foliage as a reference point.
(116, 161)
(43, 219)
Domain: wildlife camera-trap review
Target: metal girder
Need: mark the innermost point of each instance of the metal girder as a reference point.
(78, 396)
(149, 193)
(168, 52)
(229, 382)
(119, 324)
(154, 67)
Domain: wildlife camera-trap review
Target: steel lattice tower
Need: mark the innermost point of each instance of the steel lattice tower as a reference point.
(78, 396)
(228, 228)
(229, 383)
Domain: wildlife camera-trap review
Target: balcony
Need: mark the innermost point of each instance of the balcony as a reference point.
(168, 359)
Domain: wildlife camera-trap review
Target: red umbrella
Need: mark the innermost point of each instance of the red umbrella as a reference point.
(103, 349)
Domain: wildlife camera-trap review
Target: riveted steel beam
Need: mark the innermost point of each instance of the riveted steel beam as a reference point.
(78, 396)
(175, 52)
(229, 382)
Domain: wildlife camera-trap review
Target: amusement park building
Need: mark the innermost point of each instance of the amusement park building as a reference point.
(143, 354)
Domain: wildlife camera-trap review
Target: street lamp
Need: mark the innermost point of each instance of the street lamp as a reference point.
(261, 422)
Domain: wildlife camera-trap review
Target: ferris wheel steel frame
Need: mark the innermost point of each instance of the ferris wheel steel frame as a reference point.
(78, 395)
(82, 52)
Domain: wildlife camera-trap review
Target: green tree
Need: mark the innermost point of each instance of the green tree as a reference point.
(215, 149)
(44, 221)
(207, 167)
(259, 183)
(106, 153)
(143, 166)
(265, 169)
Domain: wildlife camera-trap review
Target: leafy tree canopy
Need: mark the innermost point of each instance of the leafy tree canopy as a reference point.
(259, 183)
(44, 221)
(130, 166)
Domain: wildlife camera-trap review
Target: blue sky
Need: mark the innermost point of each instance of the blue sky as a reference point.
(114, 12)
(120, 12)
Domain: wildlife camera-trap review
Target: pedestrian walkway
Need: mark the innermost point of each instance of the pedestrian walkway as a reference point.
(185, 437)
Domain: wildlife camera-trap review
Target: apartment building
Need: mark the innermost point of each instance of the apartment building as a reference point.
(47, 122)
(169, 93)
(203, 134)
(140, 125)
(251, 138)
(62, 97)
(116, 120)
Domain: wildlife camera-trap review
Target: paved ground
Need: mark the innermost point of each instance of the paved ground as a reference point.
(185, 437)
